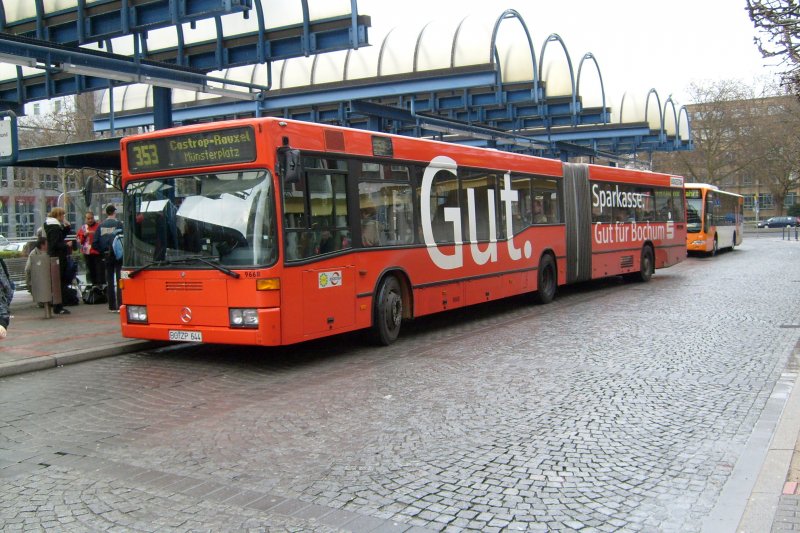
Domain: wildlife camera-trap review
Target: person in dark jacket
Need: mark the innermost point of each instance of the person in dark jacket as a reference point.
(6, 295)
(108, 229)
(56, 229)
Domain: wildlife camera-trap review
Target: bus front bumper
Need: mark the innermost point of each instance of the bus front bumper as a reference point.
(268, 332)
(696, 245)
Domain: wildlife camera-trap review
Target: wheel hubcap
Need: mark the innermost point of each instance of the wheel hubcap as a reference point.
(395, 310)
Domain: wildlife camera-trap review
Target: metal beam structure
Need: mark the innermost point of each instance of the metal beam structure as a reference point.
(49, 42)
(458, 105)
(470, 104)
(99, 154)
(88, 23)
(71, 70)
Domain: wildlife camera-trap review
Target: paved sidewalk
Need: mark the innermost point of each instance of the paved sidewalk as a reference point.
(35, 342)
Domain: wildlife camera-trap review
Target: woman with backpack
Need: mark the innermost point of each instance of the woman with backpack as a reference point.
(108, 230)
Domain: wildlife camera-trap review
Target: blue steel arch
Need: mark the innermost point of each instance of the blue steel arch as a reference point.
(683, 112)
(282, 75)
(507, 14)
(180, 58)
(313, 76)
(220, 54)
(346, 65)
(556, 37)
(591, 56)
(380, 54)
(40, 14)
(261, 53)
(670, 103)
(650, 93)
(454, 45)
(417, 45)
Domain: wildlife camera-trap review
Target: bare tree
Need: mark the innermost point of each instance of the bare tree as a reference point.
(776, 146)
(741, 140)
(68, 121)
(721, 121)
(780, 20)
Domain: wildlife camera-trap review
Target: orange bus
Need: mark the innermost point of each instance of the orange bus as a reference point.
(714, 218)
(269, 232)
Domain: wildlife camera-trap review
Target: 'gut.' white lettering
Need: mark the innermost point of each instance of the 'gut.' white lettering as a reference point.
(452, 215)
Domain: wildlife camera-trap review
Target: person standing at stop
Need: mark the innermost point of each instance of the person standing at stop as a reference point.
(56, 229)
(95, 274)
(113, 267)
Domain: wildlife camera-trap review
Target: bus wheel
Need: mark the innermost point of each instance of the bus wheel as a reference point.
(647, 264)
(715, 247)
(388, 312)
(733, 244)
(547, 280)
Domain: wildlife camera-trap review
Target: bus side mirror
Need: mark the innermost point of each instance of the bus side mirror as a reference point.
(289, 165)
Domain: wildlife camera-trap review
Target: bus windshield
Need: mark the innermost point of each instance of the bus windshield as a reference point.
(694, 210)
(226, 217)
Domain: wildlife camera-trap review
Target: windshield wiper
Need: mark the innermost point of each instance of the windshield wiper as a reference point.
(212, 263)
(188, 259)
(146, 266)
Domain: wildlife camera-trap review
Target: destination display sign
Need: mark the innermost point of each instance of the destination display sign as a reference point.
(693, 193)
(200, 149)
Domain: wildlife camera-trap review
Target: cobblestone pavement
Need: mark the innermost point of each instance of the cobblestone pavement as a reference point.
(620, 406)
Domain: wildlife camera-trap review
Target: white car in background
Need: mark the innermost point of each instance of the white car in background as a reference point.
(15, 247)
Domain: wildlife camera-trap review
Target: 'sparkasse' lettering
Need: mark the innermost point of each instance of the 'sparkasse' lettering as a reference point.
(616, 198)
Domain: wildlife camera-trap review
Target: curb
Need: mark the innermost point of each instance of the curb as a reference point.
(762, 506)
(75, 356)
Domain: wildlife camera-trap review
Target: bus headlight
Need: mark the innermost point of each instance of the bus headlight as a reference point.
(137, 313)
(243, 318)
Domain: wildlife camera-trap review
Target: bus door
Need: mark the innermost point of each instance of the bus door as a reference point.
(577, 213)
(328, 298)
(316, 227)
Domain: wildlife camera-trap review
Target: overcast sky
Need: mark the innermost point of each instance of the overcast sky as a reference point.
(639, 44)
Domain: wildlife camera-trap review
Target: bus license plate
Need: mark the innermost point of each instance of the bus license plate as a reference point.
(185, 336)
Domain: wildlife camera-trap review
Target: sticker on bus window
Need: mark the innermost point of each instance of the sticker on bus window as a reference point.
(326, 280)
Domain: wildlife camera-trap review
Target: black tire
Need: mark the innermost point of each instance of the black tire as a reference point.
(387, 312)
(546, 280)
(733, 244)
(715, 248)
(646, 264)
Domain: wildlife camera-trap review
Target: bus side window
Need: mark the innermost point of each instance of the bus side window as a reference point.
(677, 206)
(545, 207)
(647, 211)
(385, 213)
(522, 209)
(478, 184)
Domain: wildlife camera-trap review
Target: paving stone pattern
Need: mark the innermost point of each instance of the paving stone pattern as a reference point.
(619, 407)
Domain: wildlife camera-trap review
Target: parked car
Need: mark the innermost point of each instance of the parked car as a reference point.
(4, 241)
(15, 247)
(779, 222)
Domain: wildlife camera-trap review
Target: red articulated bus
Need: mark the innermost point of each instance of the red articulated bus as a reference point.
(270, 232)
